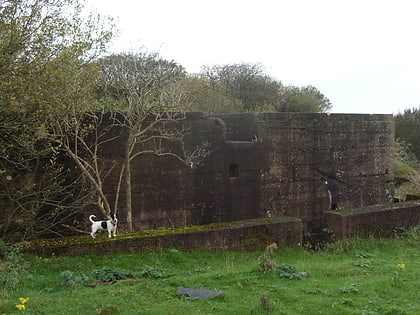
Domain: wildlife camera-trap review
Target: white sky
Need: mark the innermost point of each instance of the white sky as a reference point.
(364, 55)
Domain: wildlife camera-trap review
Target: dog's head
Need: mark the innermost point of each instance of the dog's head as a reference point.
(114, 219)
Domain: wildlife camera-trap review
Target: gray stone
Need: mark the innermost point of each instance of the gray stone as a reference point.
(197, 293)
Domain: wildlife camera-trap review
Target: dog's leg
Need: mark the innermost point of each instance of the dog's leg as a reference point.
(93, 230)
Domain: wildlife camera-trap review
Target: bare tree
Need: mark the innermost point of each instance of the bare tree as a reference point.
(81, 136)
(143, 91)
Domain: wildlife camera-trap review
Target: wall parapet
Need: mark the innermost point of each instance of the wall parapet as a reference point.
(241, 235)
(376, 220)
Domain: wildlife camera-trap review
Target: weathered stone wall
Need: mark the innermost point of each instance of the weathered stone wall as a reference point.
(280, 164)
(318, 162)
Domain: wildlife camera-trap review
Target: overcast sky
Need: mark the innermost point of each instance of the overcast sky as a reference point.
(364, 55)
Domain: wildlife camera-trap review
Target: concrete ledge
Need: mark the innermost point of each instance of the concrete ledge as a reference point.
(242, 235)
(377, 220)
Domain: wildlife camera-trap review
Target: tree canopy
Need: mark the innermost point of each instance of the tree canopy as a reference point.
(304, 99)
(257, 91)
(127, 78)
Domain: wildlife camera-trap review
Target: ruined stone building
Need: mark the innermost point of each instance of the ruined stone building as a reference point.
(296, 165)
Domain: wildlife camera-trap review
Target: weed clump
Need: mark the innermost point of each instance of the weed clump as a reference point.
(290, 272)
(72, 280)
(152, 272)
(12, 267)
(107, 274)
(266, 262)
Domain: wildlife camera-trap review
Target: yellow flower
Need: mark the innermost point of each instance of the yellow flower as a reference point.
(23, 300)
(20, 307)
(401, 266)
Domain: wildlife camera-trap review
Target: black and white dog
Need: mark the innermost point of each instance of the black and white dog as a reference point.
(109, 225)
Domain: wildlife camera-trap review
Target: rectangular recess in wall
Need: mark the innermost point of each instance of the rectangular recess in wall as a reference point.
(233, 170)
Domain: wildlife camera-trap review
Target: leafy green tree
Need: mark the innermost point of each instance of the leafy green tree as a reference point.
(199, 96)
(259, 92)
(47, 82)
(39, 41)
(245, 82)
(304, 99)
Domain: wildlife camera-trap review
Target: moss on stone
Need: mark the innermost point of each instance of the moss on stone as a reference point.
(80, 240)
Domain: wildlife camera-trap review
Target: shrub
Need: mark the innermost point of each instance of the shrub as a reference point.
(289, 272)
(152, 272)
(107, 274)
(72, 280)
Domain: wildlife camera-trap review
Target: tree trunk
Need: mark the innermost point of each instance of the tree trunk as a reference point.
(128, 193)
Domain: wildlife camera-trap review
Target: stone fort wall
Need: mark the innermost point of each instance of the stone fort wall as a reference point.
(263, 165)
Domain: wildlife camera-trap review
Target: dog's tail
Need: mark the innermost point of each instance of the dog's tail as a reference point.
(90, 218)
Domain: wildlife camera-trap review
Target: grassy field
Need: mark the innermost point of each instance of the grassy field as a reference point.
(375, 276)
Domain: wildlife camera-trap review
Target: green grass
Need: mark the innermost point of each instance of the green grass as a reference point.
(353, 276)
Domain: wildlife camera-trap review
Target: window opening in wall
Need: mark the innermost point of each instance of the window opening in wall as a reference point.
(233, 170)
